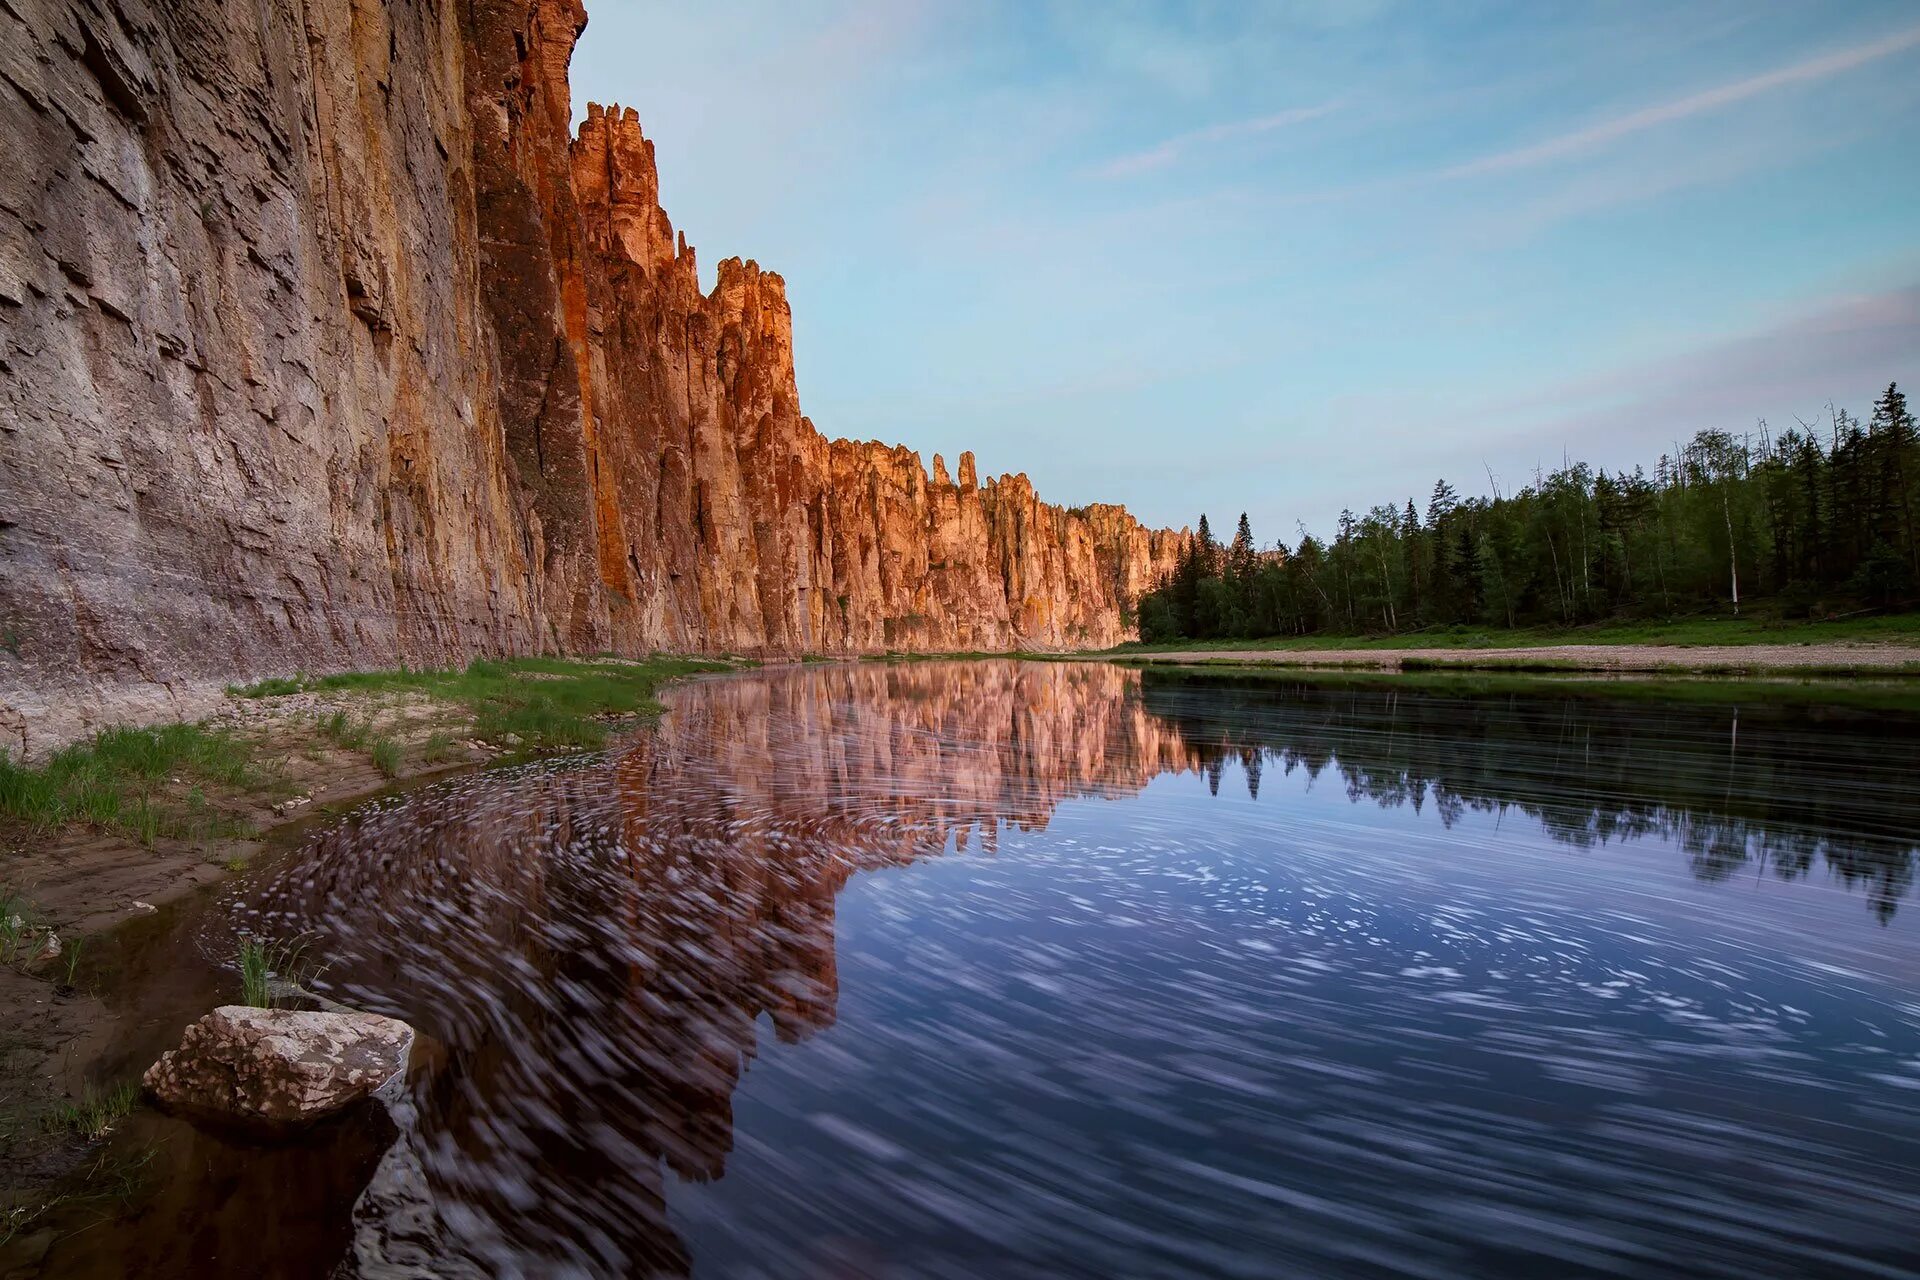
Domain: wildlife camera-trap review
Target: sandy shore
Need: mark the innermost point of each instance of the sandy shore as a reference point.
(1709, 659)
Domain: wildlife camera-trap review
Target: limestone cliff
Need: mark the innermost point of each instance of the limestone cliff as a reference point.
(324, 344)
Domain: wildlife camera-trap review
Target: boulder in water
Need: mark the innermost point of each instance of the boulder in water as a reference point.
(276, 1070)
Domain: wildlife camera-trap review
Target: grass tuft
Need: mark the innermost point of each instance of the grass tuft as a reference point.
(386, 756)
(94, 1115)
(439, 747)
(14, 917)
(264, 964)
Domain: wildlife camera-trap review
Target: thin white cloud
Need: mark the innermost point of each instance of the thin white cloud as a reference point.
(1607, 131)
(1172, 149)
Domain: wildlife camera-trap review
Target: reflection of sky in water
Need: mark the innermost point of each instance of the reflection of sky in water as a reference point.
(1195, 1034)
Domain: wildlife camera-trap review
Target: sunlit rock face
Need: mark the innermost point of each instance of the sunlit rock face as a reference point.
(324, 342)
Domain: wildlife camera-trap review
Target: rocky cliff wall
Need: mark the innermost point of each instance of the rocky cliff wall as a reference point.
(324, 344)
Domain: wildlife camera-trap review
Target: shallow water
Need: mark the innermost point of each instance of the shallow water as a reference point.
(1033, 969)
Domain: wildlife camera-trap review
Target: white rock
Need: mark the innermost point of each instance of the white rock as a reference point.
(279, 1069)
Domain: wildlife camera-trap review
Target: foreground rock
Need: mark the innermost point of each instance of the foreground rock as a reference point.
(277, 1070)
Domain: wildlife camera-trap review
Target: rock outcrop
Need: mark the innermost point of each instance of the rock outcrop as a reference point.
(275, 1071)
(325, 344)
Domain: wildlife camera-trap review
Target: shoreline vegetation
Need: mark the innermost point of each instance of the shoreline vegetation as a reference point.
(195, 780)
(1882, 646)
(1713, 631)
(1879, 645)
(1861, 691)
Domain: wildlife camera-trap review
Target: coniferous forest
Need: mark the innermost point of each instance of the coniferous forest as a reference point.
(1812, 521)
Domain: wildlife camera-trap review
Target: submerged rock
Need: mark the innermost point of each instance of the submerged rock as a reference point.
(276, 1070)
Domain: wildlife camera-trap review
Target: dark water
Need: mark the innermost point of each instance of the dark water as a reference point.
(1039, 970)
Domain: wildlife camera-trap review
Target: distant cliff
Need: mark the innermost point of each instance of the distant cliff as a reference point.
(323, 344)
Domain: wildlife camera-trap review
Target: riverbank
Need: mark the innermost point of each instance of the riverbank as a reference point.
(112, 829)
(1895, 629)
(1803, 659)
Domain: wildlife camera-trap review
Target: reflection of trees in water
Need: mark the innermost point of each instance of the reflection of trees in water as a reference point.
(1776, 787)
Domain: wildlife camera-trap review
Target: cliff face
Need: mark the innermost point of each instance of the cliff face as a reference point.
(324, 345)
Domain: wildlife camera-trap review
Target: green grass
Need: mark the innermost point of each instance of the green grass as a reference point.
(532, 704)
(95, 1114)
(70, 960)
(270, 688)
(1862, 692)
(1893, 628)
(114, 780)
(386, 756)
(344, 731)
(263, 963)
(439, 748)
(16, 921)
(360, 735)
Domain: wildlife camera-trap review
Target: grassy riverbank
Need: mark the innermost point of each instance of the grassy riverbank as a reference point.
(106, 830)
(539, 704)
(1903, 628)
(148, 783)
(1864, 692)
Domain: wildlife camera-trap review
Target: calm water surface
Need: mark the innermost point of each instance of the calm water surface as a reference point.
(1038, 969)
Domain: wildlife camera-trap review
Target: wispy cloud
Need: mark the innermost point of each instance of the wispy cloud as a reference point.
(1607, 131)
(1174, 148)
(1843, 347)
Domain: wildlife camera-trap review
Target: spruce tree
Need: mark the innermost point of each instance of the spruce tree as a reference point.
(1240, 555)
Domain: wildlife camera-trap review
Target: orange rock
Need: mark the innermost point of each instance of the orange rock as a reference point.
(325, 345)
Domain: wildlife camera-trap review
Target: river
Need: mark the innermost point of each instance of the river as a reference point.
(1046, 969)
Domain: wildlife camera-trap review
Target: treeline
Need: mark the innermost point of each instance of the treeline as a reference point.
(1812, 520)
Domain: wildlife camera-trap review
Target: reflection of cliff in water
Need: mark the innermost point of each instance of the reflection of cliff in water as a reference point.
(593, 950)
(1783, 787)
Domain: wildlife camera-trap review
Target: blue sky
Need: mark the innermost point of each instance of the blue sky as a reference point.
(1300, 255)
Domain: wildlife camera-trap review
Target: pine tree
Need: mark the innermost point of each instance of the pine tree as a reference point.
(1893, 430)
(1241, 556)
(1493, 583)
